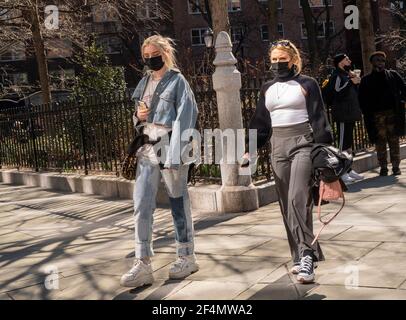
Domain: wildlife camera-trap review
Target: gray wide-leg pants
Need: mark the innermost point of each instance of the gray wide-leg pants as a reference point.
(292, 170)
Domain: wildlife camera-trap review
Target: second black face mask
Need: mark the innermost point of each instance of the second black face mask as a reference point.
(281, 69)
(154, 63)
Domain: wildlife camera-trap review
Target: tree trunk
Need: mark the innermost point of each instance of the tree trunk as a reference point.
(311, 33)
(273, 20)
(366, 33)
(39, 47)
(219, 15)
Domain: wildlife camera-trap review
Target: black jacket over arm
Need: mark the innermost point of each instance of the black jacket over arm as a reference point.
(261, 121)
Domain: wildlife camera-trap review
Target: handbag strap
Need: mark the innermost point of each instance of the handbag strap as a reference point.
(325, 223)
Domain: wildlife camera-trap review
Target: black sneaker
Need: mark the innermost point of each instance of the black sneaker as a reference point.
(306, 273)
(383, 172)
(396, 171)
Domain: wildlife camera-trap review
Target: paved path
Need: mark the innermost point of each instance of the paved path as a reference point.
(86, 243)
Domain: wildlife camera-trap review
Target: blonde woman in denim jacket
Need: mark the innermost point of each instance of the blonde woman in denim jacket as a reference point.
(166, 109)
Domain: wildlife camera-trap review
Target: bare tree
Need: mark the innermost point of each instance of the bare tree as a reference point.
(269, 9)
(136, 19)
(22, 23)
(311, 29)
(219, 15)
(395, 39)
(204, 8)
(366, 32)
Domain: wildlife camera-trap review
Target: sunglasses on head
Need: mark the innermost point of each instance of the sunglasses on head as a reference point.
(283, 43)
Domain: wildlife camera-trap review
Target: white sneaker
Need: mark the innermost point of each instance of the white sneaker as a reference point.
(347, 179)
(355, 175)
(139, 275)
(183, 267)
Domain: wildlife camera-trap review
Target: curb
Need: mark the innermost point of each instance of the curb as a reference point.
(203, 198)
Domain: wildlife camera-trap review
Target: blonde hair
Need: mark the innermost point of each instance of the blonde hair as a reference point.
(292, 50)
(166, 46)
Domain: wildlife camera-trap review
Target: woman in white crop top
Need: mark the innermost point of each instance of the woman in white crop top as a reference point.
(290, 112)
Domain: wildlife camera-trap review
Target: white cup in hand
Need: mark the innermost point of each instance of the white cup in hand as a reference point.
(357, 73)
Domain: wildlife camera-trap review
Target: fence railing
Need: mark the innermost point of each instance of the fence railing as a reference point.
(91, 135)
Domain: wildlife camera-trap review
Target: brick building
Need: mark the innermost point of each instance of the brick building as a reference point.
(249, 33)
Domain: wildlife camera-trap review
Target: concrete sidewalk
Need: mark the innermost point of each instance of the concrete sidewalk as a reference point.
(73, 246)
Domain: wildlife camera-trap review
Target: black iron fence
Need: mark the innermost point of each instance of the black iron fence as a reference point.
(91, 135)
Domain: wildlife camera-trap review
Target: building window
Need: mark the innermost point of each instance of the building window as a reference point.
(194, 6)
(104, 13)
(281, 31)
(237, 34)
(264, 32)
(318, 3)
(198, 36)
(58, 48)
(279, 3)
(13, 54)
(16, 78)
(321, 29)
(148, 10)
(397, 5)
(234, 5)
(110, 45)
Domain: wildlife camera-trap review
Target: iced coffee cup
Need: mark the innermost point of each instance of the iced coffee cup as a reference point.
(357, 73)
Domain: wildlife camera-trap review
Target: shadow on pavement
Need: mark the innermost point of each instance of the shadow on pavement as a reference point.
(285, 288)
(158, 294)
(375, 182)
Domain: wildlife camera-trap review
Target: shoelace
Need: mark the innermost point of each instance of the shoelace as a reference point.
(306, 264)
(136, 266)
(179, 262)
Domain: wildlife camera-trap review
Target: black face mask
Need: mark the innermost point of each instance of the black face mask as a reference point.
(281, 69)
(154, 63)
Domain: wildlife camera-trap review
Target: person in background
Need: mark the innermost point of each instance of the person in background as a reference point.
(382, 96)
(345, 109)
(166, 106)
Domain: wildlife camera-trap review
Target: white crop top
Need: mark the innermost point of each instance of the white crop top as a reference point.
(286, 103)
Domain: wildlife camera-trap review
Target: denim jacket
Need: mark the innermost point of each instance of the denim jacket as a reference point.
(173, 105)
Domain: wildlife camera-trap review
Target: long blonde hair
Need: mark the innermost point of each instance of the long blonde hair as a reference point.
(166, 47)
(292, 50)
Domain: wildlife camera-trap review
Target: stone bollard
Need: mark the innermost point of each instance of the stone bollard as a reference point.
(237, 192)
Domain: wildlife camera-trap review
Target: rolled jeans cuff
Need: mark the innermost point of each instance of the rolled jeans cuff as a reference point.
(143, 249)
(184, 248)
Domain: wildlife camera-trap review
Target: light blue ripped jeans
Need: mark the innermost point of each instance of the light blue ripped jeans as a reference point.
(145, 191)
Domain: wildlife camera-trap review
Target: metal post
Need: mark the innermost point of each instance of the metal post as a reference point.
(82, 136)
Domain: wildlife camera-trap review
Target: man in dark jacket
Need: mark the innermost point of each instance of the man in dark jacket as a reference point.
(345, 109)
(382, 95)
